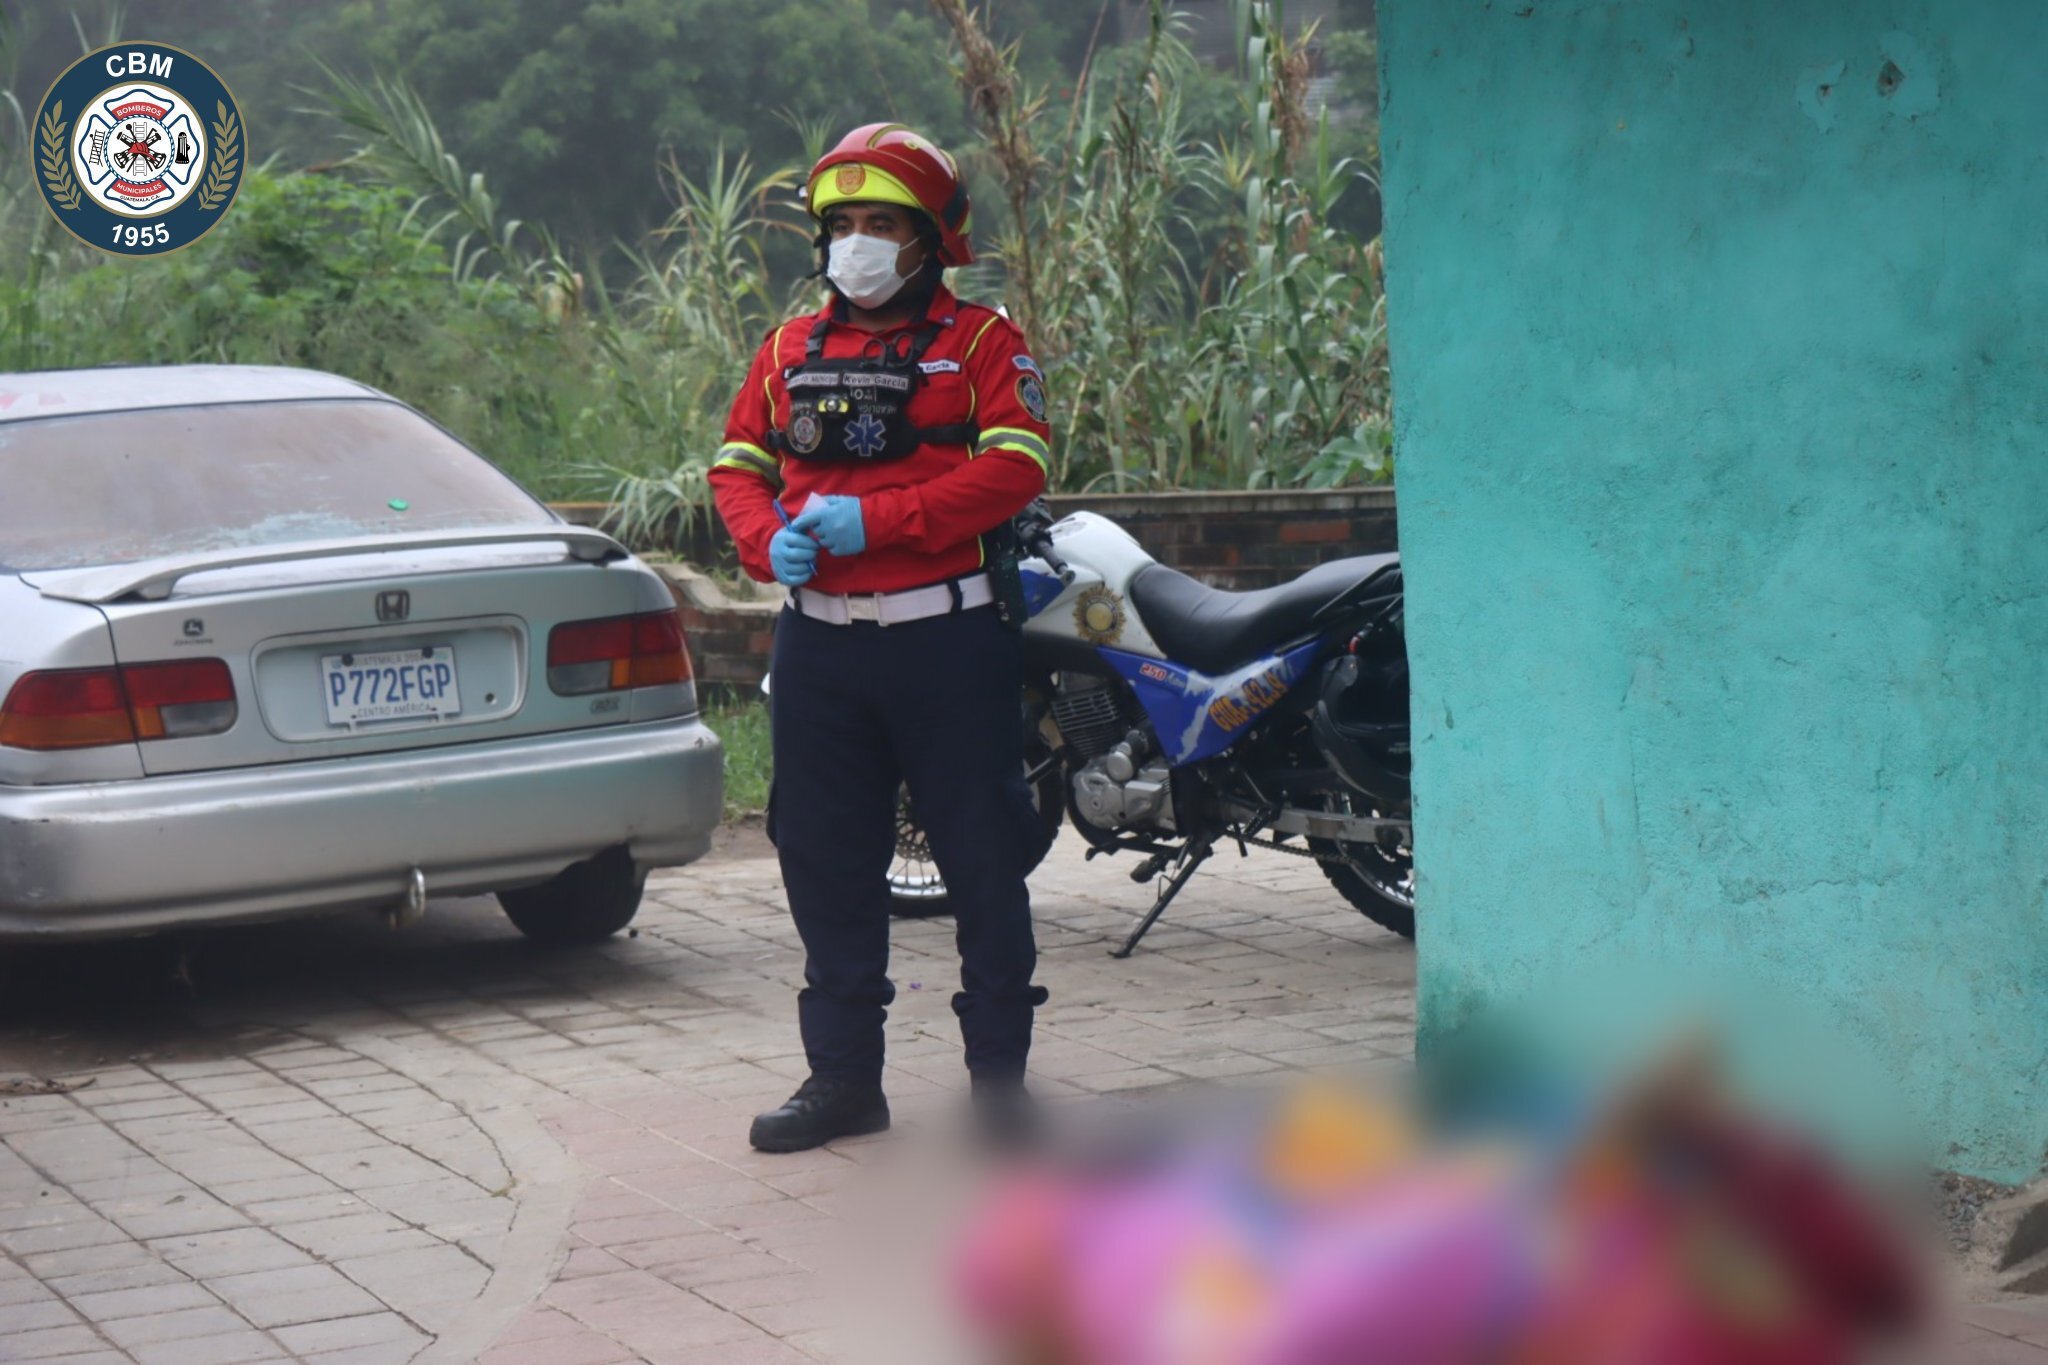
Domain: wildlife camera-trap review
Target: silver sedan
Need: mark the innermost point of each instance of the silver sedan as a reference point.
(273, 643)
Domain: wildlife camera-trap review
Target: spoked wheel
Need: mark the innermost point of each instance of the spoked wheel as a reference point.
(916, 890)
(1378, 878)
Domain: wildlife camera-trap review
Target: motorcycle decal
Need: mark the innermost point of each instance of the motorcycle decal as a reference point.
(1196, 716)
(1099, 615)
(1252, 700)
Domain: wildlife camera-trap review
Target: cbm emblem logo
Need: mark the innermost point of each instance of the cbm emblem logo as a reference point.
(139, 149)
(394, 606)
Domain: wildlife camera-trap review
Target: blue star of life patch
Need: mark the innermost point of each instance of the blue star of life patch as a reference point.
(865, 436)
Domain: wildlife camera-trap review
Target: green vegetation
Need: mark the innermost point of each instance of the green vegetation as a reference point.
(1176, 239)
(743, 727)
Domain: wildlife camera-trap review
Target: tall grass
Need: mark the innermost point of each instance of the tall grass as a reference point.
(1202, 321)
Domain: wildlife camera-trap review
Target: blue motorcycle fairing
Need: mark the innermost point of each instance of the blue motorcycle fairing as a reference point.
(1041, 588)
(1195, 715)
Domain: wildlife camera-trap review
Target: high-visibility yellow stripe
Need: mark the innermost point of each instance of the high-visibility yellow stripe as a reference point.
(982, 333)
(973, 398)
(774, 368)
(753, 459)
(1023, 442)
(872, 185)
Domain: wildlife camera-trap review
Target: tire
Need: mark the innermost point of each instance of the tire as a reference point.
(1385, 891)
(916, 891)
(584, 903)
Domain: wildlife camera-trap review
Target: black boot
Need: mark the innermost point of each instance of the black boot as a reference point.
(823, 1108)
(1005, 1115)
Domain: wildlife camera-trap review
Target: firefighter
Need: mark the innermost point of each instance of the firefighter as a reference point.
(872, 446)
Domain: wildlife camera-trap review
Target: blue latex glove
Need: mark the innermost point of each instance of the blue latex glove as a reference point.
(794, 557)
(836, 522)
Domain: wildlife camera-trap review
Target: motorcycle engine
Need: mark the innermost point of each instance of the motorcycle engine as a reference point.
(1124, 784)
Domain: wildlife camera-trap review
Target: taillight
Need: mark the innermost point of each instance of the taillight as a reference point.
(659, 654)
(619, 652)
(180, 700)
(76, 708)
(83, 708)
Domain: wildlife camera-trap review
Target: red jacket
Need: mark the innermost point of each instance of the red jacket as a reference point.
(922, 514)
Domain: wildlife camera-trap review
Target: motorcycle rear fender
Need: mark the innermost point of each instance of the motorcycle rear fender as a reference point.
(1369, 592)
(1368, 753)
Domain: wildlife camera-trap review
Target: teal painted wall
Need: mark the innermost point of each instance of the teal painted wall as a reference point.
(1720, 344)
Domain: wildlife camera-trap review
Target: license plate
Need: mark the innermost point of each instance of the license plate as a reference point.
(396, 684)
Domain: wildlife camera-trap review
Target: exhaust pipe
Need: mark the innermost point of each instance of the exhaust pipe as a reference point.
(413, 908)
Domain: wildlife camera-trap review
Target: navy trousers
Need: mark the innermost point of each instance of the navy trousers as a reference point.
(857, 709)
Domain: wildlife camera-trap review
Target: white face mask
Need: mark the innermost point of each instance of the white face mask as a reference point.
(864, 268)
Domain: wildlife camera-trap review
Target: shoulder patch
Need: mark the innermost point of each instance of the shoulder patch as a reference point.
(1028, 365)
(1031, 393)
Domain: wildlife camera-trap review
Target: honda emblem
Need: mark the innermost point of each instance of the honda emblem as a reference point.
(394, 606)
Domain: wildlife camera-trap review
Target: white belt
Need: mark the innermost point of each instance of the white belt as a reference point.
(894, 608)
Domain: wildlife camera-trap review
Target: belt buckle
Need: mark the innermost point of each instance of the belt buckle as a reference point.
(864, 607)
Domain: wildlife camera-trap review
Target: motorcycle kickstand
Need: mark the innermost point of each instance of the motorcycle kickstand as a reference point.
(1195, 859)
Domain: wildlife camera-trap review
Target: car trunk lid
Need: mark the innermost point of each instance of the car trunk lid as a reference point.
(370, 647)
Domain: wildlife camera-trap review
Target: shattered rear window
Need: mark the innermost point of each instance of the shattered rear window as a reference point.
(118, 487)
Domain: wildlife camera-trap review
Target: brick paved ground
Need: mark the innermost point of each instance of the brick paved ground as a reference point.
(331, 1143)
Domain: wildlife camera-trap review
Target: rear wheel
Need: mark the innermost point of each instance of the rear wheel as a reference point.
(583, 903)
(916, 891)
(1377, 878)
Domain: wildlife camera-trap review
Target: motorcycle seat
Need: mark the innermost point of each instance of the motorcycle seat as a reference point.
(1214, 630)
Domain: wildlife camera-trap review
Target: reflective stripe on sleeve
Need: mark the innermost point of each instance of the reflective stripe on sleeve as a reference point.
(751, 458)
(1017, 439)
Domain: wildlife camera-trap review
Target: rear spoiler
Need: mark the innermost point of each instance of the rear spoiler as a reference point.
(152, 579)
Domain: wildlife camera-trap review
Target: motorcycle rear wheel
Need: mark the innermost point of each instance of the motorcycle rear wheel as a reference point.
(1378, 879)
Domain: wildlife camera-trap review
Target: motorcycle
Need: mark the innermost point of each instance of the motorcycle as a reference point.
(1165, 718)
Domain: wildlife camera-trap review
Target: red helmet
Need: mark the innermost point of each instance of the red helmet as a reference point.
(886, 163)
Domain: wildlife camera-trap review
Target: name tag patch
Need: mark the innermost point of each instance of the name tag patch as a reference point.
(939, 366)
(855, 380)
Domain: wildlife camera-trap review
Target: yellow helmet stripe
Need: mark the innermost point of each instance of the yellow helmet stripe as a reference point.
(854, 182)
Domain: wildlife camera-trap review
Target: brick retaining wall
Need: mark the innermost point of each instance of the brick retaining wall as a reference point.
(1233, 540)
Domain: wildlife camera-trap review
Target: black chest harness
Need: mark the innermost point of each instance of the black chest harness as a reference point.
(858, 409)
